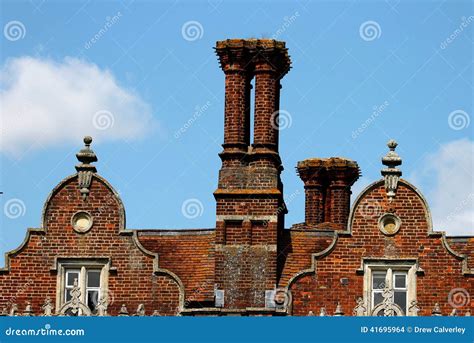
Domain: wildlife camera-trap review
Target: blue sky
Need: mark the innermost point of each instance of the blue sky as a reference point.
(142, 78)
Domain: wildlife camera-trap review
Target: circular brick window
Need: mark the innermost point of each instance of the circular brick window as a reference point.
(81, 221)
(389, 224)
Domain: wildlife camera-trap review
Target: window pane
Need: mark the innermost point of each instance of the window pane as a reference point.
(70, 278)
(378, 281)
(68, 295)
(378, 298)
(401, 299)
(92, 299)
(93, 278)
(400, 281)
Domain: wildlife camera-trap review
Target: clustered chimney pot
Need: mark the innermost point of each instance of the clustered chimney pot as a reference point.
(327, 183)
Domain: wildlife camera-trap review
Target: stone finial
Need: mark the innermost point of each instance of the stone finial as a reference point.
(391, 173)
(123, 310)
(468, 313)
(28, 312)
(156, 313)
(47, 307)
(414, 308)
(338, 311)
(85, 169)
(360, 310)
(323, 312)
(13, 310)
(454, 313)
(140, 310)
(310, 314)
(436, 310)
(102, 306)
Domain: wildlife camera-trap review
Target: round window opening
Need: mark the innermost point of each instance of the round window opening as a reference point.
(81, 222)
(389, 224)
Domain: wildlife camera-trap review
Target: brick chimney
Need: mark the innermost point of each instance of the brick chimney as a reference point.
(327, 184)
(249, 198)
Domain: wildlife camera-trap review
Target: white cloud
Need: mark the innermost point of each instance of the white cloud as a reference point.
(47, 103)
(447, 179)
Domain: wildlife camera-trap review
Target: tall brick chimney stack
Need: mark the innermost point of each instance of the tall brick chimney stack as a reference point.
(249, 198)
(327, 183)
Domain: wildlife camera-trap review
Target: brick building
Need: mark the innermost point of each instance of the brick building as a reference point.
(380, 256)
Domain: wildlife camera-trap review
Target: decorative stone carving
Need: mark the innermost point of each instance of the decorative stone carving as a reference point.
(387, 295)
(414, 309)
(85, 169)
(310, 314)
(13, 310)
(123, 310)
(436, 310)
(454, 313)
(468, 313)
(140, 310)
(156, 313)
(28, 312)
(360, 310)
(75, 307)
(4, 312)
(338, 311)
(102, 306)
(47, 307)
(391, 174)
(322, 312)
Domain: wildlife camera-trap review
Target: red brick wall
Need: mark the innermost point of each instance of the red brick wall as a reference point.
(31, 277)
(442, 271)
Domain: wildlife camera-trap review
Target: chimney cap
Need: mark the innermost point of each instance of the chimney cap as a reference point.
(327, 163)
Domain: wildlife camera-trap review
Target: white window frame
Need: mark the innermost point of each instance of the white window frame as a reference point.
(408, 268)
(81, 266)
